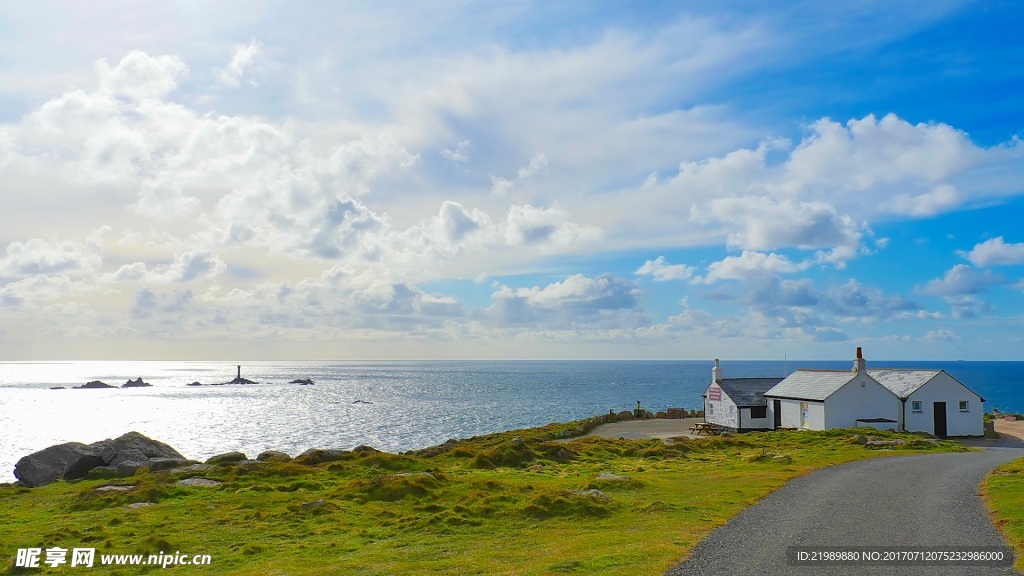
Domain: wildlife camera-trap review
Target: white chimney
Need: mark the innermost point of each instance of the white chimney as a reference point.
(860, 364)
(716, 372)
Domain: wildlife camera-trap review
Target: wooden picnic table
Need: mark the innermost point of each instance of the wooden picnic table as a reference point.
(703, 428)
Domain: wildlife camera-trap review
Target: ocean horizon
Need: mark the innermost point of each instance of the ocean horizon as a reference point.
(391, 405)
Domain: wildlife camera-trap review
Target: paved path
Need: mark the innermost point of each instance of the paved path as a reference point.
(922, 500)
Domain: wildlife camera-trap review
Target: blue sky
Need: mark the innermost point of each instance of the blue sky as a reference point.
(362, 180)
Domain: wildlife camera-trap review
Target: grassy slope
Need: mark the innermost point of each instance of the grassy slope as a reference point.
(1003, 491)
(511, 503)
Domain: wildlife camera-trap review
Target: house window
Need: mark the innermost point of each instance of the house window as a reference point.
(759, 412)
(963, 406)
(711, 409)
(915, 406)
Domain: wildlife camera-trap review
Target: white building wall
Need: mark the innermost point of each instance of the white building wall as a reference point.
(943, 388)
(861, 397)
(806, 414)
(755, 423)
(722, 412)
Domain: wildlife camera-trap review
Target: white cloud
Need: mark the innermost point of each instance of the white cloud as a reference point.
(962, 280)
(501, 186)
(748, 265)
(140, 76)
(41, 257)
(941, 335)
(935, 201)
(241, 63)
(575, 302)
(528, 225)
(459, 154)
(996, 252)
(662, 272)
(191, 266)
(538, 164)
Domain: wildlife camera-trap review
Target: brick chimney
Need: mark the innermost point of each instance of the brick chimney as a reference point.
(716, 372)
(860, 364)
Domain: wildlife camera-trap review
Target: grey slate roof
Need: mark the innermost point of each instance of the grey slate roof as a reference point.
(747, 391)
(903, 382)
(811, 384)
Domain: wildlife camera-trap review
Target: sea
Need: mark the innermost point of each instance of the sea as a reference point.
(390, 405)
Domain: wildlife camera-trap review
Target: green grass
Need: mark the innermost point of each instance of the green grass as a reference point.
(1003, 491)
(514, 503)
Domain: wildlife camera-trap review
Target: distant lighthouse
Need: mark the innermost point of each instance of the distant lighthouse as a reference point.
(239, 371)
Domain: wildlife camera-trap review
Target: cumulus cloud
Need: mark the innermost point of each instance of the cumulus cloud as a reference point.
(996, 252)
(191, 266)
(962, 280)
(241, 63)
(528, 225)
(139, 75)
(574, 302)
(747, 265)
(662, 272)
(941, 335)
(45, 257)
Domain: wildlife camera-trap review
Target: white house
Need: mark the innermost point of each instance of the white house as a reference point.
(824, 399)
(737, 403)
(933, 401)
(899, 399)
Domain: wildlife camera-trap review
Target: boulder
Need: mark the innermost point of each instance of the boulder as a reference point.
(226, 458)
(126, 454)
(273, 456)
(194, 384)
(137, 383)
(315, 456)
(72, 459)
(199, 482)
(625, 415)
(303, 381)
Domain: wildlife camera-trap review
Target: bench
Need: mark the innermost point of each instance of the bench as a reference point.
(676, 412)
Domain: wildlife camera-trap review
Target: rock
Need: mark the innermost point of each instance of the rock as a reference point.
(593, 493)
(320, 455)
(137, 383)
(227, 458)
(194, 384)
(134, 441)
(859, 439)
(113, 488)
(611, 477)
(625, 415)
(191, 468)
(137, 505)
(199, 482)
(125, 454)
(314, 504)
(364, 449)
(303, 382)
(72, 460)
(56, 387)
(94, 384)
(273, 456)
(240, 380)
(157, 464)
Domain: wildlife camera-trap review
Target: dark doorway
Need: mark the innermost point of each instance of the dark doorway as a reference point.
(940, 419)
(777, 410)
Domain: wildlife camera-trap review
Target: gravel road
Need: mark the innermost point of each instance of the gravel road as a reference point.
(921, 500)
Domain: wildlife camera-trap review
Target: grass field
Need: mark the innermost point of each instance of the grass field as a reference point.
(1003, 491)
(520, 503)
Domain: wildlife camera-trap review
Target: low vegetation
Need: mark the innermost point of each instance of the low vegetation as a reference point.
(1003, 490)
(532, 501)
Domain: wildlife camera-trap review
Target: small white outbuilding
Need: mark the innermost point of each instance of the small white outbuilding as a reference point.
(737, 403)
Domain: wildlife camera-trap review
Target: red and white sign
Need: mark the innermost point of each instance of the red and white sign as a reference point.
(714, 393)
